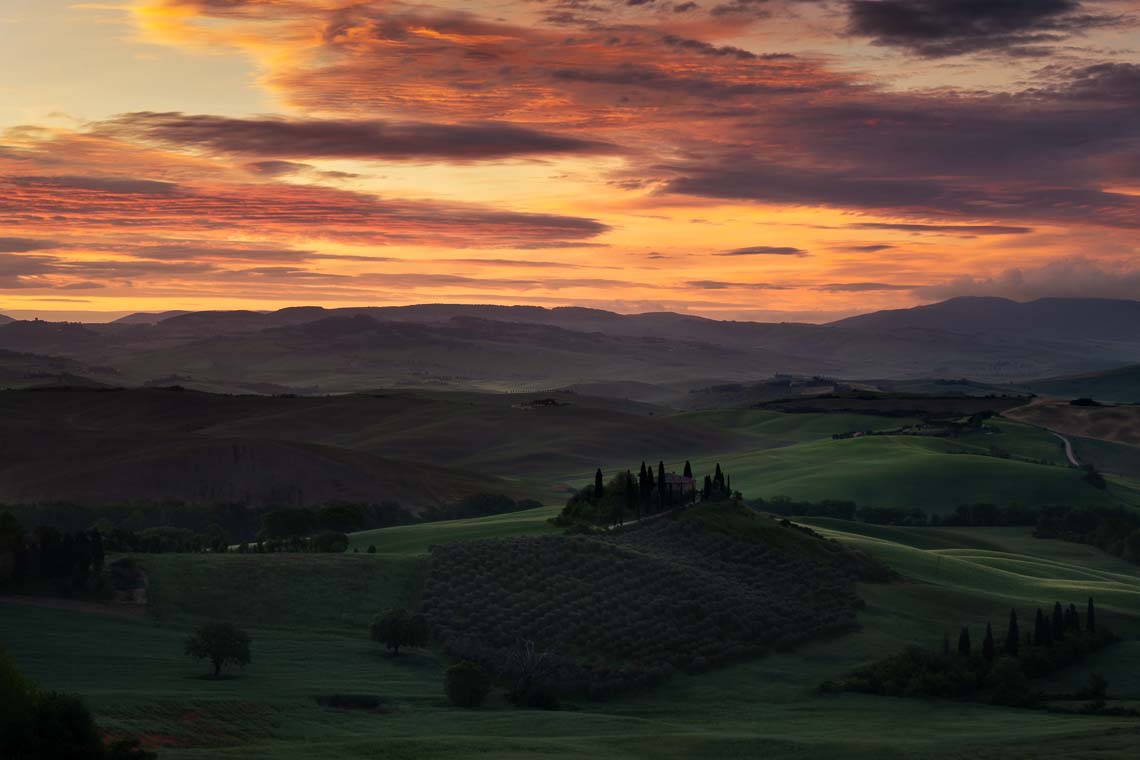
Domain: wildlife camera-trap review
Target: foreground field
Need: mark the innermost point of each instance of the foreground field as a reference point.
(307, 617)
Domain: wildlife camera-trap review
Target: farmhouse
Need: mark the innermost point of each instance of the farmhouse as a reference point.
(679, 488)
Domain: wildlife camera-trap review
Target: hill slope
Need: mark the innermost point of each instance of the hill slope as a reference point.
(1080, 319)
(1120, 385)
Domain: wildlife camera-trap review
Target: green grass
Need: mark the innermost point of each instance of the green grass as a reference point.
(933, 474)
(771, 429)
(323, 592)
(307, 616)
(412, 540)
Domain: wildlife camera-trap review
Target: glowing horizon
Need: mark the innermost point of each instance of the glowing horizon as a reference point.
(784, 159)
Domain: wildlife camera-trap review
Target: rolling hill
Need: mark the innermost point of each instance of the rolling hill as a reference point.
(1119, 385)
(1077, 319)
(316, 350)
(1119, 424)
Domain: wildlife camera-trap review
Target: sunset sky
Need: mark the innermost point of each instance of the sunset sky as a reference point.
(740, 159)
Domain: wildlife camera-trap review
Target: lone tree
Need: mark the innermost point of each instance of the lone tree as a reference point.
(221, 644)
(688, 473)
(466, 684)
(396, 628)
(599, 490)
(1012, 635)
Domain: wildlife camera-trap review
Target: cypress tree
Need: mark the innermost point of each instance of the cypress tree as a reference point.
(1012, 635)
(598, 490)
(630, 496)
(649, 490)
(718, 479)
(988, 644)
(706, 489)
(1073, 619)
(661, 490)
(1058, 622)
(688, 469)
(945, 644)
(1040, 630)
(964, 641)
(1090, 617)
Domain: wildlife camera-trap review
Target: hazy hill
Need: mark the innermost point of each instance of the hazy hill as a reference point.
(114, 446)
(1121, 385)
(19, 370)
(147, 318)
(1081, 319)
(422, 449)
(5, 319)
(311, 349)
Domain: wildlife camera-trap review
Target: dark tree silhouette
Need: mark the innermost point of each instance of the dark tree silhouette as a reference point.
(221, 644)
(988, 644)
(662, 491)
(396, 628)
(599, 490)
(1012, 635)
(1073, 619)
(964, 641)
(466, 684)
(1090, 617)
(1040, 630)
(630, 496)
(688, 469)
(1058, 622)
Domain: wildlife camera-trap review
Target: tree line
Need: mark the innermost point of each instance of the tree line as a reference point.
(626, 496)
(74, 560)
(995, 669)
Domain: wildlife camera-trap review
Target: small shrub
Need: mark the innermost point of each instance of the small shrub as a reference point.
(466, 684)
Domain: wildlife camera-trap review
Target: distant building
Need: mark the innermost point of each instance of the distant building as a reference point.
(680, 488)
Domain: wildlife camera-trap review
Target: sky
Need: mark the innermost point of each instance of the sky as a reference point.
(739, 159)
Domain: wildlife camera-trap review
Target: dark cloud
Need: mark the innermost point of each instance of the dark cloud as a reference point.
(938, 28)
(723, 285)
(98, 203)
(945, 229)
(23, 245)
(276, 168)
(1064, 278)
(764, 250)
(342, 138)
(860, 287)
(867, 248)
(109, 185)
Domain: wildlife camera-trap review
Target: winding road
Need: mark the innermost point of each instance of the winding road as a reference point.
(1068, 449)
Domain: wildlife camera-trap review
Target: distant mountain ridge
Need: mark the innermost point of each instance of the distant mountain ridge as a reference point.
(1046, 318)
(455, 346)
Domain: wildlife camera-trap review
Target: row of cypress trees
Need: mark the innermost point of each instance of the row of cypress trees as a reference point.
(1046, 630)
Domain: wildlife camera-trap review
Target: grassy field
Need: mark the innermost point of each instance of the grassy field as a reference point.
(307, 615)
(411, 540)
(933, 474)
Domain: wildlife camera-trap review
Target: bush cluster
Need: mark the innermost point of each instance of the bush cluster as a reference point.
(628, 609)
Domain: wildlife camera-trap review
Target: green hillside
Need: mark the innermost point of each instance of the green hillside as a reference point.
(1119, 385)
(305, 614)
(412, 540)
(933, 474)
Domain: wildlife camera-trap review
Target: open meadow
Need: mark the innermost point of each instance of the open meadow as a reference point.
(308, 616)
